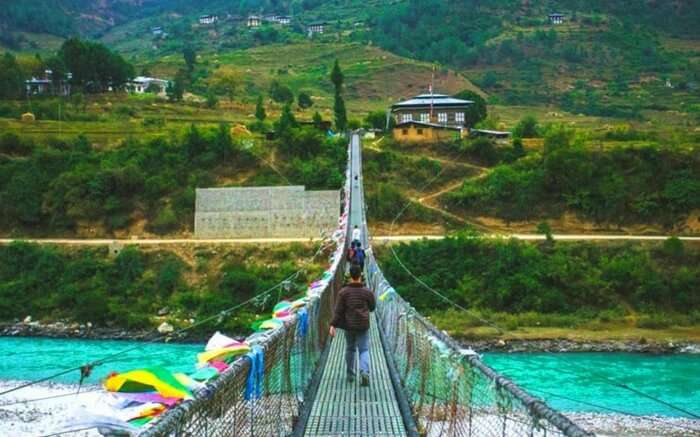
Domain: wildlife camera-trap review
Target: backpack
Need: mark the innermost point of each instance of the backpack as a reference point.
(360, 256)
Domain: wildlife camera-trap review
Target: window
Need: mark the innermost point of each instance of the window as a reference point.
(420, 131)
(459, 117)
(442, 117)
(404, 131)
(406, 117)
(425, 117)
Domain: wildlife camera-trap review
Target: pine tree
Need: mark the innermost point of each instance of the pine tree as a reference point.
(286, 121)
(341, 116)
(337, 77)
(260, 113)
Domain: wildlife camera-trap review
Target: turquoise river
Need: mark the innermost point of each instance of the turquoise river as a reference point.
(582, 382)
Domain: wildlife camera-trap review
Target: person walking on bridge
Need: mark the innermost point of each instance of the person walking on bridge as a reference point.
(352, 314)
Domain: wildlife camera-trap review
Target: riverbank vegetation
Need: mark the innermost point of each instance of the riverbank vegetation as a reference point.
(140, 288)
(515, 284)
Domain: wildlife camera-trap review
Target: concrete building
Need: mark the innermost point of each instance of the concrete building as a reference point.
(157, 31)
(438, 109)
(254, 21)
(38, 86)
(556, 18)
(317, 27)
(423, 132)
(141, 85)
(208, 19)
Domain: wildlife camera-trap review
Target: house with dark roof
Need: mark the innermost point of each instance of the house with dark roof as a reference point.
(556, 18)
(430, 117)
(317, 27)
(432, 108)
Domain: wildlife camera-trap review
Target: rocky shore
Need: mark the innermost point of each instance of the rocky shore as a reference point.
(564, 345)
(86, 331)
(29, 328)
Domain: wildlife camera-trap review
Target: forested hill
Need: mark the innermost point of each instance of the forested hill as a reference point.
(508, 47)
(471, 22)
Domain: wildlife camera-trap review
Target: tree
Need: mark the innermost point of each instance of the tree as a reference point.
(176, 88)
(211, 100)
(341, 116)
(317, 119)
(527, 127)
(286, 121)
(226, 80)
(376, 120)
(281, 93)
(476, 111)
(304, 100)
(260, 113)
(94, 66)
(11, 79)
(337, 77)
(190, 56)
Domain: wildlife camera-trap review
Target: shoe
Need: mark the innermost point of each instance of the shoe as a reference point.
(351, 377)
(364, 380)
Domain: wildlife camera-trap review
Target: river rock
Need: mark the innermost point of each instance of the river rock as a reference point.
(163, 311)
(165, 328)
(28, 319)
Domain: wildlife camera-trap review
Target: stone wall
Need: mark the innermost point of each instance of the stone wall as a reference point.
(264, 212)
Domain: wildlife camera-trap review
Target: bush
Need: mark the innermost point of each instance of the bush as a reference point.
(152, 121)
(124, 111)
(12, 144)
(527, 128)
(281, 93)
(165, 221)
(656, 321)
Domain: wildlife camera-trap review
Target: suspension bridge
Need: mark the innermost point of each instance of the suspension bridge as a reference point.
(422, 382)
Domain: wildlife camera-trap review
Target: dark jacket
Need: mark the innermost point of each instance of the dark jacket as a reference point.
(355, 302)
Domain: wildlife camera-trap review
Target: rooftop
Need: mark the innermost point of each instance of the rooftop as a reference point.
(423, 100)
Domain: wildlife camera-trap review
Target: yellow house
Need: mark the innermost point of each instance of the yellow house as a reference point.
(423, 132)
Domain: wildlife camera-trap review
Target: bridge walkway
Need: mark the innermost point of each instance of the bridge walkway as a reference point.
(342, 408)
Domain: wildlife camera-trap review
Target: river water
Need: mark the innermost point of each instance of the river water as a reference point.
(586, 382)
(578, 383)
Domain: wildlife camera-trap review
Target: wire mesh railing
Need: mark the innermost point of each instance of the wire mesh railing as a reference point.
(451, 391)
(266, 396)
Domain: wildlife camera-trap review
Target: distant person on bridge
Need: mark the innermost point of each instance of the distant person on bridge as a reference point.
(356, 234)
(355, 302)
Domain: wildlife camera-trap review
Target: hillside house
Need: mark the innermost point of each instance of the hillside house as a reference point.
(424, 132)
(208, 19)
(157, 31)
(556, 18)
(439, 109)
(45, 85)
(317, 27)
(143, 84)
(254, 21)
(278, 19)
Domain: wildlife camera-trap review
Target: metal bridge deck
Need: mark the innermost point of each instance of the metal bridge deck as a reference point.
(342, 408)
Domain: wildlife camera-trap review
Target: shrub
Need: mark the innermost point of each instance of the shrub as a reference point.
(165, 221)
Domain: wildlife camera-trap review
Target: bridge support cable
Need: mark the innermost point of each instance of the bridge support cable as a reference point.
(451, 391)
